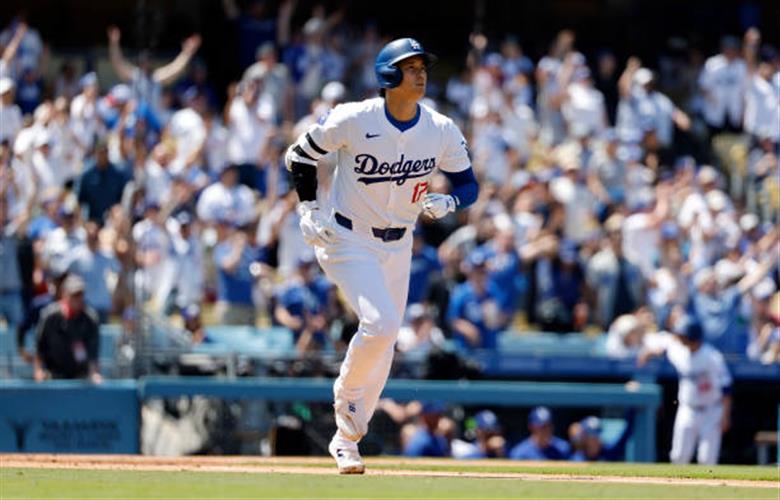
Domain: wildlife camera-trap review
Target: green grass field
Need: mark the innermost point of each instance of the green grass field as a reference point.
(44, 483)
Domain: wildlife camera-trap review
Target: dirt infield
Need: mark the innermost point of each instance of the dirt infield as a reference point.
(315, 465)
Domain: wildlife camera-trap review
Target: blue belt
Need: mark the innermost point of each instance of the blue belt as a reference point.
(386, 234)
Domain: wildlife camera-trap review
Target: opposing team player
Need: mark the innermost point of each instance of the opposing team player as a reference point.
(388, 148)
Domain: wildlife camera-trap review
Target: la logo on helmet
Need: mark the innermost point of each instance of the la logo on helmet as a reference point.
(415, 45)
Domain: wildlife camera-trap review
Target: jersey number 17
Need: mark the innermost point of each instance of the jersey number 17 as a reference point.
(419, 190)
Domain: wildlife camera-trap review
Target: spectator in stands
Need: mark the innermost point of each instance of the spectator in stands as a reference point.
(29, 89)
(424, 268)
(188, 262)
(769, 339)
(61, 240)
(10, 278)
(145, 82)
(152, 254)
(29, 48)
(97, 267)
(489, 442)
(618, 283)
(474, 313)
(248, 130)
(256, 26)
(722, 83)
(193, 323)
(504, 272)
(278, 91)
(187, 132)
(542, 444)
(305, 306)
(68, 337)
(233, 257)
(227, 199)
(761, 319)
(102, 184)
(424, 439)
(556, 285)
(760, 92)
(716, 299)
(419, 335)
(645, 112)
(280, 237)
(591, 446)
(12, 115)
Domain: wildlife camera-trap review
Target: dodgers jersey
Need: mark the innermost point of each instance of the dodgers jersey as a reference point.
(382, 174)
(703, 374)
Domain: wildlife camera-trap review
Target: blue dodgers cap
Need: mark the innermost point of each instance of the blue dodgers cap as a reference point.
(487, 421)
(590, 426)
(476, 260)
(184, 218)
(88, 79)
(669, 230)
(539, 416)
(690, 329)
(432, 407)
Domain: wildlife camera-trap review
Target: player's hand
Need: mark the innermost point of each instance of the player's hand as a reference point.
(437, 205)
(316, 228)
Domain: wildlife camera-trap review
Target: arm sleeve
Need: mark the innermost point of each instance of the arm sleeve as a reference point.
(321, 138)
(456, 151)
(465, 188)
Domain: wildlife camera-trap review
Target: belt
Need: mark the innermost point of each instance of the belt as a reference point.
(384, 234)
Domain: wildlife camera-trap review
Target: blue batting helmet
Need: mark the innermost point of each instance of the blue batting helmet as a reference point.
(690, 329)
(387, 72)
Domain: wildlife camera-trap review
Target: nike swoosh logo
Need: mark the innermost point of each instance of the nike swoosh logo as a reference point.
(339, 454)
(371, 136)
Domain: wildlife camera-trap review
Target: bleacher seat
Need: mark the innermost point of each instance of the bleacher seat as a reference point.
(247, 340)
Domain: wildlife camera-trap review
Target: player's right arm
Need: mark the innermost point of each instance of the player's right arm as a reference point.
(301, 160)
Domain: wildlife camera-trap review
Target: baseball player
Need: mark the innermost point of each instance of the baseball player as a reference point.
(704, 394)
(388, 148)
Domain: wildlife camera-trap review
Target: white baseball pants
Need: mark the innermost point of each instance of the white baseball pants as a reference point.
(373, 276)
(692, 426)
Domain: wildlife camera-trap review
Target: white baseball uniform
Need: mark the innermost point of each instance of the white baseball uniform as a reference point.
(381, 176)
(703, 377)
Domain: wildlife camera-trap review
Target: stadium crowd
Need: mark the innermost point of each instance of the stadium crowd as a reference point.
(614, 197)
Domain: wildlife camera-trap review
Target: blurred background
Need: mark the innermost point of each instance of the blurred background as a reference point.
(627, 155)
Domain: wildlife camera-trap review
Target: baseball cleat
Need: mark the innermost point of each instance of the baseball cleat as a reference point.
(347, 456)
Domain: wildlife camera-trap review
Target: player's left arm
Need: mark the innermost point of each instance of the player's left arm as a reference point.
(456, 166)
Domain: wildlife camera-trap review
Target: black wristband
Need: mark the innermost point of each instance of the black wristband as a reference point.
(305, 181)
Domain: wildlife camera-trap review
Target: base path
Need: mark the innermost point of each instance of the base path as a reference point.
(318, 465)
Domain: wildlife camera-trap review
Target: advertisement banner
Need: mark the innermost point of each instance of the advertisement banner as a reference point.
(69, 417)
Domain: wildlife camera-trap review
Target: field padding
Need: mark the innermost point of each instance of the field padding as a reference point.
(381, 466)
